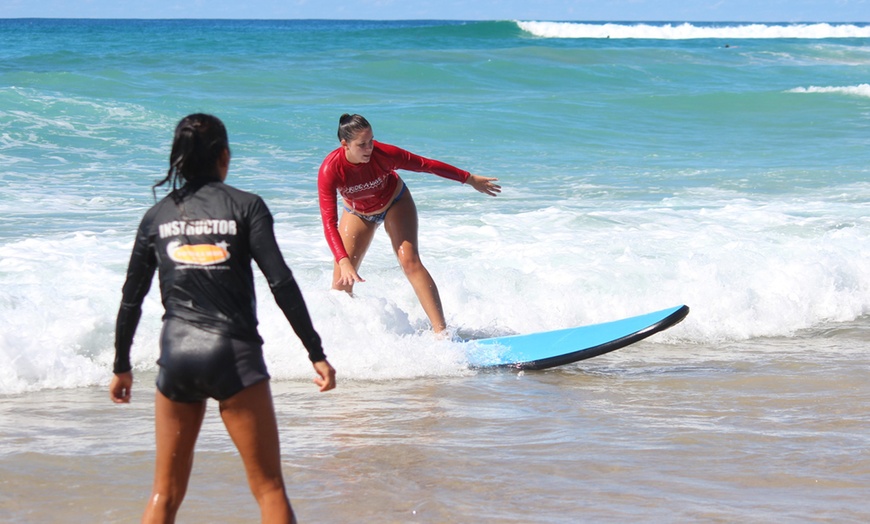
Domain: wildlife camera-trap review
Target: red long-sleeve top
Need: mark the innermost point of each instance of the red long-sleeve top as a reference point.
(368, 187)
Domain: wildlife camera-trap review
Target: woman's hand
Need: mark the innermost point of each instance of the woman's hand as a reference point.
(484, 184)
(325, 375)
(119, 389)
(349, 276)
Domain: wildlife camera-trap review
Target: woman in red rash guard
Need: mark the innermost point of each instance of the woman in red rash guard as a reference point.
(363, 171)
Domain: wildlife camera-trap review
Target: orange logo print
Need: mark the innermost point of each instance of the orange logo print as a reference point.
(198, 254)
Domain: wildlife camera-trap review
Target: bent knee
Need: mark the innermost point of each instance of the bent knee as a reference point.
(411, 264)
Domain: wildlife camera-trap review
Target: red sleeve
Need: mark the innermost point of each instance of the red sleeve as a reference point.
(411, 162)
(327, 186)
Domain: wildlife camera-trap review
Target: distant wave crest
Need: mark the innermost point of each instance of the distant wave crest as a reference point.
(858, 90)
(688, 31)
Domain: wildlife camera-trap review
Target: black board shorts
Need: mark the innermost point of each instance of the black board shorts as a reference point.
(196, 364)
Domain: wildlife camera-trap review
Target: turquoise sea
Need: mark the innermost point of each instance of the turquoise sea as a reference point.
(724, 166)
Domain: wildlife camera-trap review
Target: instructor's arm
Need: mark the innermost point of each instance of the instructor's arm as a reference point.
(325, 375)
(119, 389)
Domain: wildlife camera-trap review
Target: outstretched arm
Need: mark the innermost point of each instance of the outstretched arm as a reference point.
(484, 184)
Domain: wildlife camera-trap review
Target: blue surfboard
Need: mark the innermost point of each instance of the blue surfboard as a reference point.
(564, 346)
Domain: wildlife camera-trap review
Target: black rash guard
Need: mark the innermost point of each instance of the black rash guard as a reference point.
(202, 239)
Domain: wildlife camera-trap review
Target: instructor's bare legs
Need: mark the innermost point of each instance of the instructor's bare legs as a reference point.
(402, 226)
(176, 426)
(250, 420)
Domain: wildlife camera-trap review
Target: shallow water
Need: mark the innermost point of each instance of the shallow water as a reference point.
(756, 432)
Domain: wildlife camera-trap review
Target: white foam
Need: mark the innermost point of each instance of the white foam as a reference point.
(856, 90)
(56, 304)
(687, 31)
(746, 267)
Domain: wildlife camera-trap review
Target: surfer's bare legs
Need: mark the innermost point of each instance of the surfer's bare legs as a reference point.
(176, 426)
(356, 235)
(402, 226)
(250, 420)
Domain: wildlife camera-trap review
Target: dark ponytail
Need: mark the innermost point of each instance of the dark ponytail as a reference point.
(350, 125)
(199, 141)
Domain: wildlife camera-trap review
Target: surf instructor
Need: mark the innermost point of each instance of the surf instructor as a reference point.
(363, 172)
(202, 238)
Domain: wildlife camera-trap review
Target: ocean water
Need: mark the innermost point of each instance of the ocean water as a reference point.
(722, 166)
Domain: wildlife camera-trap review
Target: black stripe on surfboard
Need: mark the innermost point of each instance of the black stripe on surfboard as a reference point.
(535, 365)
